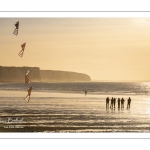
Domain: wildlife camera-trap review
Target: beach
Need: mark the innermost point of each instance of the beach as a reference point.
(71, 112)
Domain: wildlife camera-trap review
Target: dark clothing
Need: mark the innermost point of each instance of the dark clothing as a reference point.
(118, 102)
(129, 102)
(85, 92)
(107, 102)
(122, 103)
(112, 101)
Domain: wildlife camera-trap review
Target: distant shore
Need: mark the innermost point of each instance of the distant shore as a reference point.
(17, 74)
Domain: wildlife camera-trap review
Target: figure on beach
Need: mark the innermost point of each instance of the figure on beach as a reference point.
(112, 101)
(118, 103)
(122, 103)
(107, 102)
(27, 98)
(129, 102)
(85, 93)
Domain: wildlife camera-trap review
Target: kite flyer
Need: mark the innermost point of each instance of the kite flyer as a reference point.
(107, 102)
(113, 102)
(85, 93)
(129, 102)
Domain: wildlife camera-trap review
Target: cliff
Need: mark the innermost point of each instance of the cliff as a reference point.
(49, 75)
(17, 74)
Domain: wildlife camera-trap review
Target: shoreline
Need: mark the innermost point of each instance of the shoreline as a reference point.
(36, 93)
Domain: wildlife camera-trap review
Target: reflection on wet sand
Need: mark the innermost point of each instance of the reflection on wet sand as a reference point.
(72, 113)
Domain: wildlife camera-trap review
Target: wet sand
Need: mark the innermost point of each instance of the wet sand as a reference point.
(66, 112)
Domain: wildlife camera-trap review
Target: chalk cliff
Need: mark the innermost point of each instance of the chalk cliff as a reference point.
(17, 74)
(50, 75)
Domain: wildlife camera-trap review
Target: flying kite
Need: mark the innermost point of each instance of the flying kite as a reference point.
(17, 28)
(26, 77)
(27, 98)
(22, 51)
(27, 80)
(27, 72)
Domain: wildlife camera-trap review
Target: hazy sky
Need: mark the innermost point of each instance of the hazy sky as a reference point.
(103, 48)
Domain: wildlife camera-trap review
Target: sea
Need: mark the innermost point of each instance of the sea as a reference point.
(64, 107)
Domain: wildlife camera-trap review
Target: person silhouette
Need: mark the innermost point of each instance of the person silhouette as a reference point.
(85, 93)
(107, 102)
(112, 100)
(118, 103)
(129, 102)
(122, 103)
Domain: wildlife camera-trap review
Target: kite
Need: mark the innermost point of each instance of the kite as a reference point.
(26, 77)
(26, 80)
(27, 98)
(22, 51)
(27, 72)
(17, 28)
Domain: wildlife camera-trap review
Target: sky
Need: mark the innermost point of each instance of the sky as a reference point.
(107, 49)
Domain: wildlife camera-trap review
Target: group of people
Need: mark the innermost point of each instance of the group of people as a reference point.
(113, 102)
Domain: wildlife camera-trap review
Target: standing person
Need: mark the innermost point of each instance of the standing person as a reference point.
(85, 93)
(112, 100)
(122, 103)
(129, 101)
(118, 103)
(107, 102)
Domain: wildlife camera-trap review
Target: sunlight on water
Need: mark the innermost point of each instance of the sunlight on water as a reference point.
(75, 112)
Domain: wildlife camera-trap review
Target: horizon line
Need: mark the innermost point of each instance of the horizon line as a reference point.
(96, 80)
